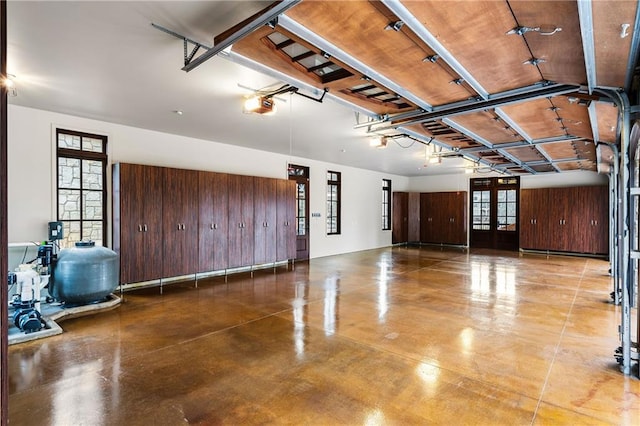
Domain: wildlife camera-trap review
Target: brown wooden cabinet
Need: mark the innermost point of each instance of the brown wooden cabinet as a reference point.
(137, 221)
(265, 220)
(572, 219)
(444, 217)
(172, 222)
(534, 213)
(400, 218)
(241, 230)
(213, 222)
(286, 220)
(180, 222)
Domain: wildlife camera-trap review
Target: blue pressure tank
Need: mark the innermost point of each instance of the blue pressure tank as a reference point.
(84, 274)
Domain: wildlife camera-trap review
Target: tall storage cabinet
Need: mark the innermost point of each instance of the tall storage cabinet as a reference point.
(241, 231)
(573, 219)
(137, 217)
(286, 220)
(171, 222)
(444, 217)
(534, 206)
(265, 220)
(213, 221)
(400, 219)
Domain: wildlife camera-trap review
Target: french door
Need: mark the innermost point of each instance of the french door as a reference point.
(300, 174)
(494, 212)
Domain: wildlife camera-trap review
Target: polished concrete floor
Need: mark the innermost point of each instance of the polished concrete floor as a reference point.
(390, 336)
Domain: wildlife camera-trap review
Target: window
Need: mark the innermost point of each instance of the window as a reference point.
(507, 206)
(81, 194)
(482, 210)
(386, 204)
(333, 203)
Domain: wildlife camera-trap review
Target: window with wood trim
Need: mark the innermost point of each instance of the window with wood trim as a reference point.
(81, 186)
(386, 204)
(333, 202)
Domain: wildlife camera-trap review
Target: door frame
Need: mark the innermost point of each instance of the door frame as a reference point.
(494, 238)
(300, 174)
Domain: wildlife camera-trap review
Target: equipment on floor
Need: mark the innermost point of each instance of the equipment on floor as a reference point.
(84, 274)
(26, 300)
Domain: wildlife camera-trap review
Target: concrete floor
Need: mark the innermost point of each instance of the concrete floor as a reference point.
(389, 336)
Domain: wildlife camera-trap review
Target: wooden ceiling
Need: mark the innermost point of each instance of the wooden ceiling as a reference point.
(515, 85)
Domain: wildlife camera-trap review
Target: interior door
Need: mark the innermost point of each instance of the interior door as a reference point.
(300, 174)
(494, 213)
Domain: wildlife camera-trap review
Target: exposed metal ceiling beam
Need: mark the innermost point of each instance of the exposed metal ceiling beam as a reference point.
(495, 147)
(505, 117)
(285, 78)
(519, 144)
(250, 26)
(339, 54)
(547, 158)
(586, 29)
(633, 51)
(593, 119)
(543, 91)
(425, 35)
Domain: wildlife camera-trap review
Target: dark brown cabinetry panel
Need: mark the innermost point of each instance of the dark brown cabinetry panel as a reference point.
(241, 232)
(180, 222)
(265, 220)
(286, 220)
(400, 219)
(213, 221)
(137, 214)
(571, 219)
(171, 222)
(534, 213)
(443, 217)
(413, 210)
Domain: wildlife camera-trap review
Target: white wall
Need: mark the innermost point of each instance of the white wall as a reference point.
(31, 177)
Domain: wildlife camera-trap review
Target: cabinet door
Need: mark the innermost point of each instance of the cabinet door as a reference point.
(593, 232)
(212, 221)
(241, 232)
(137, 228)
(561, 221)
(286, 216)
(413, 227)
(455, 220)
(534, 219)
(426, 218)
(180, 222)
(264, 203)
(399, 231)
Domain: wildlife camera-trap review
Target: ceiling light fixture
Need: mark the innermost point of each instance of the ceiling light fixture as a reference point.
(10, 84)
(378, 142)
(259, 105)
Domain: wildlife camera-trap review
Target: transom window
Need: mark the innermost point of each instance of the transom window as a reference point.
(81, 182)
(333, 202)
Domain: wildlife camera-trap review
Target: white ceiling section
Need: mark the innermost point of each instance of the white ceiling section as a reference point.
(105, 61)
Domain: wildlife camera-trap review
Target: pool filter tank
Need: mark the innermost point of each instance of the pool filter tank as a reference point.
(84, 274)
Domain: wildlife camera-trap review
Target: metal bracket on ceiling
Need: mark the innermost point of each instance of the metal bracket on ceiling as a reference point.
(432, 58)
(395, 26)
(197, 45)
(267, 16)
(534, 61)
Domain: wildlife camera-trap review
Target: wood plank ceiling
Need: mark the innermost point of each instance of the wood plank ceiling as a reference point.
(502, 83)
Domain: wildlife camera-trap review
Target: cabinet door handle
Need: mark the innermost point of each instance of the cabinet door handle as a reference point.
(144, 228)
(595, 222)
(213, 226)
(139, 228)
